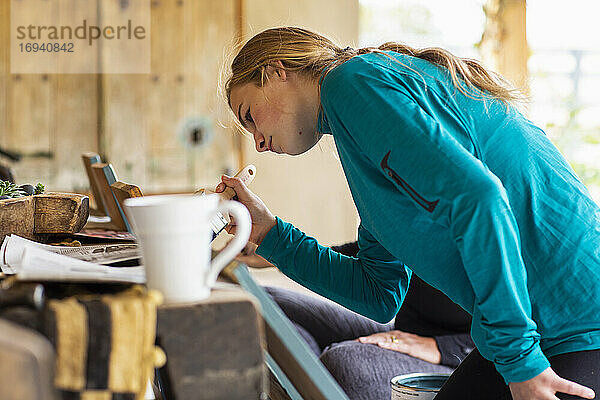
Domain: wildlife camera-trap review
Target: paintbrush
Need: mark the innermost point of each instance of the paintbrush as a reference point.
(219, 222)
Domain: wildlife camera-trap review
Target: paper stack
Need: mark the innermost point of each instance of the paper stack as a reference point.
(30, 260)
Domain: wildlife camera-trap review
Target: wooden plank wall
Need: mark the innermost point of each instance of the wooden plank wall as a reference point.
(46, 113)
(141, 113)
(130, 119)
(29, 97)
(4, 70)
(74, 114)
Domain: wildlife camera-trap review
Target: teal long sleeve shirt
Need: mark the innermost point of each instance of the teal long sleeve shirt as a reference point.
(467, 194)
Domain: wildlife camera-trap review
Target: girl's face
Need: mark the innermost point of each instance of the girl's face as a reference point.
(281, 115)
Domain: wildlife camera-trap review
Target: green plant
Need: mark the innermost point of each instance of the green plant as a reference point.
(39, 188)
(10, 190)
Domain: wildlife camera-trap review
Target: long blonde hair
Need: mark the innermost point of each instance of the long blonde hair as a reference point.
(309, 53)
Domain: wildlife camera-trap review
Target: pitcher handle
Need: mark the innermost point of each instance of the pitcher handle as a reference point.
(233, 248)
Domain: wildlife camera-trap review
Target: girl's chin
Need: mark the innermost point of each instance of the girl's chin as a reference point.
(301, 150)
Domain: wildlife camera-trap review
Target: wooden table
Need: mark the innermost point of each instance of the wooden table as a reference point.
(213, 347)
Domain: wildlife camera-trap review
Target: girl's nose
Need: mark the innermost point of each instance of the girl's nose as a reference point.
(261, 143)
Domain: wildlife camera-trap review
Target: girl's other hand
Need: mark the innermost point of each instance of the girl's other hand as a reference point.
(424, 348)
(251, 259)
(545, 385)
(262, 219)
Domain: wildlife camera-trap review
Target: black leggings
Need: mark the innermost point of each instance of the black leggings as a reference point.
(476, 378)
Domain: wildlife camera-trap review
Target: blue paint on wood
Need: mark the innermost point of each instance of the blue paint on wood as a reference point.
(111, 178)
(282, 377)
(287, 333)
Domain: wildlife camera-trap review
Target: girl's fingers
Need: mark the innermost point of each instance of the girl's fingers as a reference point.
(240, 188)
(377, 338)
(369, 339)
(575, 389)
(393, 346)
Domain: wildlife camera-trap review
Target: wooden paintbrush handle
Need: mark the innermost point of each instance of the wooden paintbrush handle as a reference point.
(246, 175)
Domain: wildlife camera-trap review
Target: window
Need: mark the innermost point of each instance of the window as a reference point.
(423, 24)
(564, 70)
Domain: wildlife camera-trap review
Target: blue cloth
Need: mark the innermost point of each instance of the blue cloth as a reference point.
(468, 194)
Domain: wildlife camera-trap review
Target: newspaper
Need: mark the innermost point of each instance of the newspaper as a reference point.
(30, 260)
(13, 246)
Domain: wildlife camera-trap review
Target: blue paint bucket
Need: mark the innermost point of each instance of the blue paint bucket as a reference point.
(419, 386)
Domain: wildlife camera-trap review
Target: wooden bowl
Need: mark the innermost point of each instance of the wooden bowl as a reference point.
(36, 217)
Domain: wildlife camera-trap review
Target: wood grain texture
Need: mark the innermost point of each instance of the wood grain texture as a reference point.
(74, 128)
(214, 347)
(142, 113)
(4, 69)
(130, 119)
(30, 117)
(34, 217)
(50, 113)
(89, 159)
(111, 177)
(43, 112)
(60, 213)
(122, 191)
(276, 391)
(123, 102)
(112, 209)
(16, 216)
(208, 52)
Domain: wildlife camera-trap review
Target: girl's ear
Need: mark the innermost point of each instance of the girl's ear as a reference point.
(276, 70)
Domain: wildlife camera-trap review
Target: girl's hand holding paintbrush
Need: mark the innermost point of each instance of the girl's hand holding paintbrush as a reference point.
(262, 219)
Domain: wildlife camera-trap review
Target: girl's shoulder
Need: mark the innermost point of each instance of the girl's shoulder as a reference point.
(388, 62)
(388, 68)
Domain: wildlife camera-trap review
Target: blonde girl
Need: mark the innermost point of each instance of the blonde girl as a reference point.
(452, 183)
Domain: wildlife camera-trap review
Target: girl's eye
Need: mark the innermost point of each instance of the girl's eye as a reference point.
(248, 117)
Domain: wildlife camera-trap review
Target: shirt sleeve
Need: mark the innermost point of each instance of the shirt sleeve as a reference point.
(387, 121)
(373, 285)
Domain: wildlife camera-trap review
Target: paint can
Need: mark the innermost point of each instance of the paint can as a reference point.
(419, 386)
